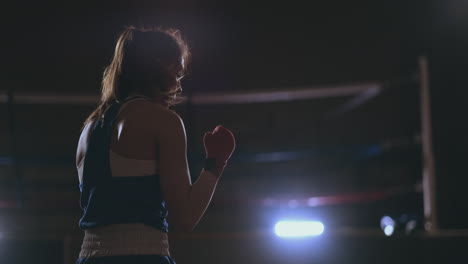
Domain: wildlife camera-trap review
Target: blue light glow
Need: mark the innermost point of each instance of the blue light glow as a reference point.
(388, 225)
(388, 230)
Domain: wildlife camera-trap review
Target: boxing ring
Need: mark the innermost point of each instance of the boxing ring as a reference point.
(357, 94)
(360, 93)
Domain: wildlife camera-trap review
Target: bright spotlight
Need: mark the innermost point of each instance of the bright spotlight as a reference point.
(388, 230)
(299, 228)
(388, 225)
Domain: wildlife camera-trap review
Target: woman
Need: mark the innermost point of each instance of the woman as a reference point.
(131, 156)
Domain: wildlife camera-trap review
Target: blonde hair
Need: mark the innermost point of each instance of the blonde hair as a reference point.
(146, 61)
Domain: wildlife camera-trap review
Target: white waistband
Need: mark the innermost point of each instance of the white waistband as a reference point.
(124, 239)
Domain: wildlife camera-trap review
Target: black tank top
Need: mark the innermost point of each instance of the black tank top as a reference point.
(107, 200)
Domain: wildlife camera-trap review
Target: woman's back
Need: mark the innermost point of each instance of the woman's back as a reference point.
(133, 153)
(134, 134)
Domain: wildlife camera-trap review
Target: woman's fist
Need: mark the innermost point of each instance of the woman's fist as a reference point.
(219, 146)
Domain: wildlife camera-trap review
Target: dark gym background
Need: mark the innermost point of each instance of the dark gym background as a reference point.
(362, 162)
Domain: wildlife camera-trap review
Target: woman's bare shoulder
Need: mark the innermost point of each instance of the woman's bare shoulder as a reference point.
(154, 113)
